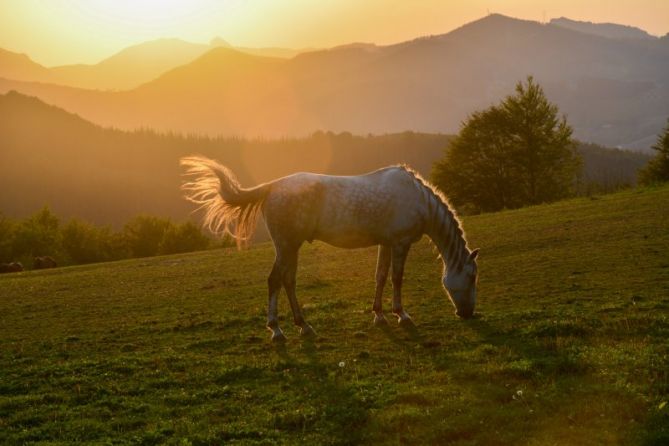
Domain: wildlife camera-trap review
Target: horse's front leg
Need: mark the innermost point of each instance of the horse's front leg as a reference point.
(382, 267)
(290, 284)
(399, 256)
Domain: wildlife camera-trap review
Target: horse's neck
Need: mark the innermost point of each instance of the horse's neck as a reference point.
(446, 234)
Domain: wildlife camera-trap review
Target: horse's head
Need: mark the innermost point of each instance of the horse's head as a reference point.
(460, 285)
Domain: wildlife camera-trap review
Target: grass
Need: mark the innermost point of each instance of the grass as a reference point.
(570, 347)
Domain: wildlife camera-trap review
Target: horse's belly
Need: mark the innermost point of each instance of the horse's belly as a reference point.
(347, 240)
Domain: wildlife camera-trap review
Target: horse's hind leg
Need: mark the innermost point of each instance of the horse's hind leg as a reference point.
(382, 267)
(274, 285)
(399, 256)
(290, 284)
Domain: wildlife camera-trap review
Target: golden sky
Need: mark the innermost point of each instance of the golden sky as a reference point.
(54, 32)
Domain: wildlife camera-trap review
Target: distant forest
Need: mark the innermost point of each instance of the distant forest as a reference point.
(107, 176)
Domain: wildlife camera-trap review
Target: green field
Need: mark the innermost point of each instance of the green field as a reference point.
(570, 346)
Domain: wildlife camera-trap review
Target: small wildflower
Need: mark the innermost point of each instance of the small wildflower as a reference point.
(342, 364)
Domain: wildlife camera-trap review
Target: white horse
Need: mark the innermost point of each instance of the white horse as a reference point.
(391, 207)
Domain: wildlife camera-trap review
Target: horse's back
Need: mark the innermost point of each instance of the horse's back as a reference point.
(346, 211)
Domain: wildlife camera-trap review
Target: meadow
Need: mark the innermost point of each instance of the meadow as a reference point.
(570, 344)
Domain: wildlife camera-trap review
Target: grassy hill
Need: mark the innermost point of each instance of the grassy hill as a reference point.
(570, 346)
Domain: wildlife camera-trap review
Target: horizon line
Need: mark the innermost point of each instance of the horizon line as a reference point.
(309, 48)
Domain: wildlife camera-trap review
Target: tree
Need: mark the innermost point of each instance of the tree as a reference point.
(6, 238)
(86, 243)
(38, 235)
(143, 235)
(185, 237)
(657, 169)
(513, 154)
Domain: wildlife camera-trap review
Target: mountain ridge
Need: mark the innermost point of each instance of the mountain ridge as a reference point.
(614, 92)
(610, 30)
(126, 69)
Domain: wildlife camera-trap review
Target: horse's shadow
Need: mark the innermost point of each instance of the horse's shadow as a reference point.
(411, 331)
(333, 404)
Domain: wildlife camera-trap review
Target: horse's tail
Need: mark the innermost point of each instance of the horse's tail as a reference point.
(228, 207)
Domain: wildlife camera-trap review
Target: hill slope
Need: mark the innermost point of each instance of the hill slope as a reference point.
(569, 346)
(615, 92)
(56, 158)
(51, 157)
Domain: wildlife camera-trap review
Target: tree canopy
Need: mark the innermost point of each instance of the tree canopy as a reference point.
(77, 241)
(657, 169)
(516, 153)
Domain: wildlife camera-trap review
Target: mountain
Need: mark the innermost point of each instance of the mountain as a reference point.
(132, 66)
(614, 92)
(144, 62)
(610, 30)
(51, 157)
(20, 66)
(124, 70)
(285, 53)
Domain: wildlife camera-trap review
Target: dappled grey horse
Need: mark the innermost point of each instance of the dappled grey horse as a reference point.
(392, 207)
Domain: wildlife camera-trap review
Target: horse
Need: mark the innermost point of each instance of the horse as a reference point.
(392, 207)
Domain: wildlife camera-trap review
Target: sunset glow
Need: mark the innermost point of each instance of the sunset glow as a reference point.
(365, 152)
(77, 31)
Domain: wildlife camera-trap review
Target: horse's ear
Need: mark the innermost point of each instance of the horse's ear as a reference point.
(474, 254)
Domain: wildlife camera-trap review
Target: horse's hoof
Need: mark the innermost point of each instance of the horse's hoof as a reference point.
(406, 322)
(278, 337)
(307, 332)
(380, 320)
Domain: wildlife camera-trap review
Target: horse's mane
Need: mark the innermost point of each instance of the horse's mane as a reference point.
(449, 225)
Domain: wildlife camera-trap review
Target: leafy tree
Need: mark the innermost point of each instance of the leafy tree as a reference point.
(513, 154)
(6, 237)
(657, 169)
(37, 235)
(144, 233)
(79, 242)
(184, 237)
(86, 243)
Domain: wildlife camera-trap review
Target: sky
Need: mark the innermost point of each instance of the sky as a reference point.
(56, 32)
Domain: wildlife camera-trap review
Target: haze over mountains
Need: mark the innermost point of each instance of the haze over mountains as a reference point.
(613, 88)
(51, 157)
(124, 70)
